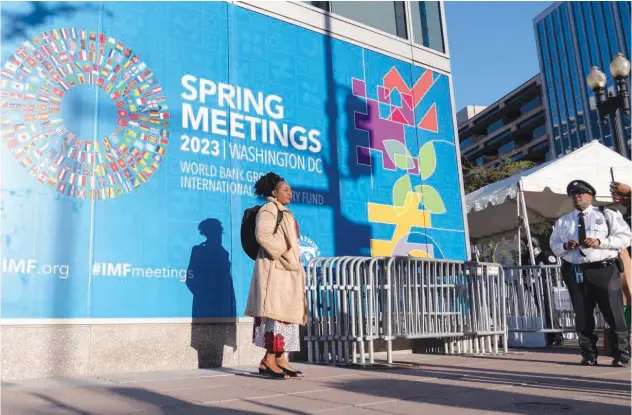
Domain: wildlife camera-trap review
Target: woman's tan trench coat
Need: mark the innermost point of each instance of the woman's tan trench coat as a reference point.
(277, 289)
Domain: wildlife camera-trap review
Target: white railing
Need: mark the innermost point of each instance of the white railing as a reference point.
(354, 301)
(538, 301)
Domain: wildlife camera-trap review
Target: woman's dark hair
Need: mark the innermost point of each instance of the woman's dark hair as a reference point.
(266, 184)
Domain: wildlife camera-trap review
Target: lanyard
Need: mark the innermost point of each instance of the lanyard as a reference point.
(578, 275)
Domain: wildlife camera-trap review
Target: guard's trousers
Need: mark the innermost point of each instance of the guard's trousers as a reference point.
(601, 286)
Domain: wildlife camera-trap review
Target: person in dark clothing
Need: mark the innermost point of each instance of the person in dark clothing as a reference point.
(588, 241)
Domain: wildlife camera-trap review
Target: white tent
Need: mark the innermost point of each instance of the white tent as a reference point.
(541, 191)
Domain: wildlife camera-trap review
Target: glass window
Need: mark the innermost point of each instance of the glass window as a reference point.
(540, 146)
(587, 21)
(488, 113)
(537, 118)
(499, 138)
(611, 29)
(507, 147)
(531, 105)
(471, 152)
(539, 131)
(581, 125)
(558, 145)
(582, 40)
(467, 141)
(549, 83)
(517, 156)
(599, 59)
(594, 22)
(387, 16)
(576, 79)
(558, 82)
(480, 161)
(320, 4)
(494, 126)
(585, 59)
(604, 133)
(517, 98)
(562, 31)
(427, 25)
(624, 14)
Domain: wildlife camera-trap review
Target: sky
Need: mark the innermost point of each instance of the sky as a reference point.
(492, 48)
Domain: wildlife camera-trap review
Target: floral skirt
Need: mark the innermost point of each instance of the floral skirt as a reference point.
(275, 336)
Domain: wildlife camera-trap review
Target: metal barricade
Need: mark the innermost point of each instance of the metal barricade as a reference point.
(538, 301)
(353, 301)
(342, 309)
(461, 302)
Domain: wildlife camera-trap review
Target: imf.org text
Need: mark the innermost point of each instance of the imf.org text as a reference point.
(32, 267)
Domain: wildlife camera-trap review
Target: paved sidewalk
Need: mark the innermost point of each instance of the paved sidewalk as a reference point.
(523, 382)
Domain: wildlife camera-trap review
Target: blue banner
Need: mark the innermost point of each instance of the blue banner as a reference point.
(132, 136)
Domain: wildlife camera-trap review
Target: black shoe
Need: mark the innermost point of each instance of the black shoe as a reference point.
(291, 373)
(589, 361)
(619, 363)
(269, 372)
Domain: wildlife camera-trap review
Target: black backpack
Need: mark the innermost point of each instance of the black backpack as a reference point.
(617, 261)
(248, 224)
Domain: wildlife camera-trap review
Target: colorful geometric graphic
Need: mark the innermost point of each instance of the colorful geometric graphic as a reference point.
(385, 121)
(385, 132)
(34, 81)
(404, 218)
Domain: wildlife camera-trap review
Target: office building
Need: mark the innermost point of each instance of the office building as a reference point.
(514, 126)
(571, 38)
(468, 113)
(133, 134)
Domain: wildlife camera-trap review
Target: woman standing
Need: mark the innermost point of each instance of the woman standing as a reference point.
(277, 291)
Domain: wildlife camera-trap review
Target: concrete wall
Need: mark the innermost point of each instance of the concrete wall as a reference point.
(38, 351)
(43, 351)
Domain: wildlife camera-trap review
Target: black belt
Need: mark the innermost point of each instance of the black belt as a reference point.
(595, 265)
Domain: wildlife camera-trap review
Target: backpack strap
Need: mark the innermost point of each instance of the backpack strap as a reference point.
(280, 219)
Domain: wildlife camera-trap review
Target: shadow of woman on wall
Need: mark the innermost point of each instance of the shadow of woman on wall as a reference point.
(211, 283)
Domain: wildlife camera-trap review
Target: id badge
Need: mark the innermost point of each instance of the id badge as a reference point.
(579, 274)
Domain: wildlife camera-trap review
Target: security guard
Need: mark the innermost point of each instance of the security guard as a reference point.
(588, 240)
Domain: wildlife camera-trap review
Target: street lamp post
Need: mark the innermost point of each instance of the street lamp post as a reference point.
(611, 105)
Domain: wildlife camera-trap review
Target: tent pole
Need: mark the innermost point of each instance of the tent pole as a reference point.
(526, 222)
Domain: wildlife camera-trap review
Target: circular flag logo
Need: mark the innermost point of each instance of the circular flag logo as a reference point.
(34, 81)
